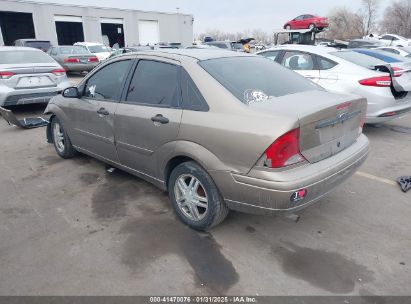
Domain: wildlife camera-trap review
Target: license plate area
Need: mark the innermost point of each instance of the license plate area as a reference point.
(34, 82)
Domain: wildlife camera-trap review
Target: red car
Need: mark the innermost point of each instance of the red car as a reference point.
(307, 22)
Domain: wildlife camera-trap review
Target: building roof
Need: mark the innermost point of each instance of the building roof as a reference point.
(95, 7)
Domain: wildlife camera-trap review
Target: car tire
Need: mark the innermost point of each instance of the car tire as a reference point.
(287, 27)
(61, 140)
(197, 184)
(311, 26)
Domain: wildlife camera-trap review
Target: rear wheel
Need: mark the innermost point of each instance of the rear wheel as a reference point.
(195, 198)
(311, 26)
(61, 141)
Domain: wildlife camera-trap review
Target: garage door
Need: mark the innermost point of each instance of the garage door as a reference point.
(69, 29)
(149, 32)
(112, 30)
(16, 26)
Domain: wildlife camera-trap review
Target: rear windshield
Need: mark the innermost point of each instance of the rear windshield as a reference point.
(253, 79)
(358, 58)
(44, 45)
(73, 50)
(383, 55)
(97, 49)
(16, 57)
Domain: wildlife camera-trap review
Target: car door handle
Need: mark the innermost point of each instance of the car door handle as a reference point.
(103, 111)
(160, 119)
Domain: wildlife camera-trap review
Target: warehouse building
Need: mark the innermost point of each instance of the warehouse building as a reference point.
(67, 24)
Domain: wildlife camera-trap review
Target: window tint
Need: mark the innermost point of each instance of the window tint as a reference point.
(271, 54)
(299, 18)
(359, 59)
(298, 61)
(192, 98)
(308, 17)
(154, 83)
(253, 79)
(325, 64)
(9, 57)
(107, 83)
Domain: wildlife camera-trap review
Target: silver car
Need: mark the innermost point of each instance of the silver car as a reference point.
(73, 58)
(347, 71)
(28, 75)
(218, 130)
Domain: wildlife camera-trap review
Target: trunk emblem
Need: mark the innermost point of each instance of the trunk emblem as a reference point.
(339, 119)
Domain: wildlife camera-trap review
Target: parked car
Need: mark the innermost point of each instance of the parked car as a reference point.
(307, 22)
(98, 49)
(394, 40)
(73, 58)
(227, 45)
(43, 45)
(364, 43)
(202, 46)
(28, 75)
(347, 71)
(277, 142)
(402, 51)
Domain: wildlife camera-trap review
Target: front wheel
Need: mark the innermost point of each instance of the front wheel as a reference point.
(195, 198)
(311, 26)
(61, 141)
(288, 27)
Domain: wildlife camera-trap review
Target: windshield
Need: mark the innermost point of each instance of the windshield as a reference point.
(358, 58)
(70, 50)
(43, 45)
(237, 46)
(252, 79)
(97, 49)
(17, 57)
(383, 55)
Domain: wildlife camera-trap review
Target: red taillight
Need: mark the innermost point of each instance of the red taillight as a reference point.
(93, 59)
(397, 71)
(382, 81)
(72, 60)
(59, 72)
(6, 75)
(284, 151)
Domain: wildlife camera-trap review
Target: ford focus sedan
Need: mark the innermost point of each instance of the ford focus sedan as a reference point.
(218, 130)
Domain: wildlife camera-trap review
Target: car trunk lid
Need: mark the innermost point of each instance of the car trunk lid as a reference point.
(329, 123)
(30, 77)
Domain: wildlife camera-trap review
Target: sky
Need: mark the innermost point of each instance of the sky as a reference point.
(231, 15)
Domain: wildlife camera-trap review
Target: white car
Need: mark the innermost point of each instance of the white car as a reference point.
(98, 49)
(394, 40)
(402, 51)
(350, 72)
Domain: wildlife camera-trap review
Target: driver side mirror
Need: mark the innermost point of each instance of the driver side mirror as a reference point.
(71, 92)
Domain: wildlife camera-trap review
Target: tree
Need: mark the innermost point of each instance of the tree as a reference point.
(367, 16)
(344, 24)
(397, 18)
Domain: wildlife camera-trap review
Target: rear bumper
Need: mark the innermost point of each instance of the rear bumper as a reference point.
(78, 67)
(400, 108)
(271, 192)
(12, 97)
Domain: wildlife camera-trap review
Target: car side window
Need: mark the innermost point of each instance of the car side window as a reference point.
(299, 17)
(325, 64)
(107, 83)
(298, 61)
(391, 51)
(192, 98)
(271, 54)
(154, 83)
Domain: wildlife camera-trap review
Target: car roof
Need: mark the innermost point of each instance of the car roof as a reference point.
(305, 48)
(198, 54)
(88, 43)
(18, 48)
(33, 40)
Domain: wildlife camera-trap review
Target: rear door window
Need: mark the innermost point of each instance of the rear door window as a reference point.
(325, 64)
(154, 83)
(192, 98)
(271, 54)
(298, 61)
(107, 83)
